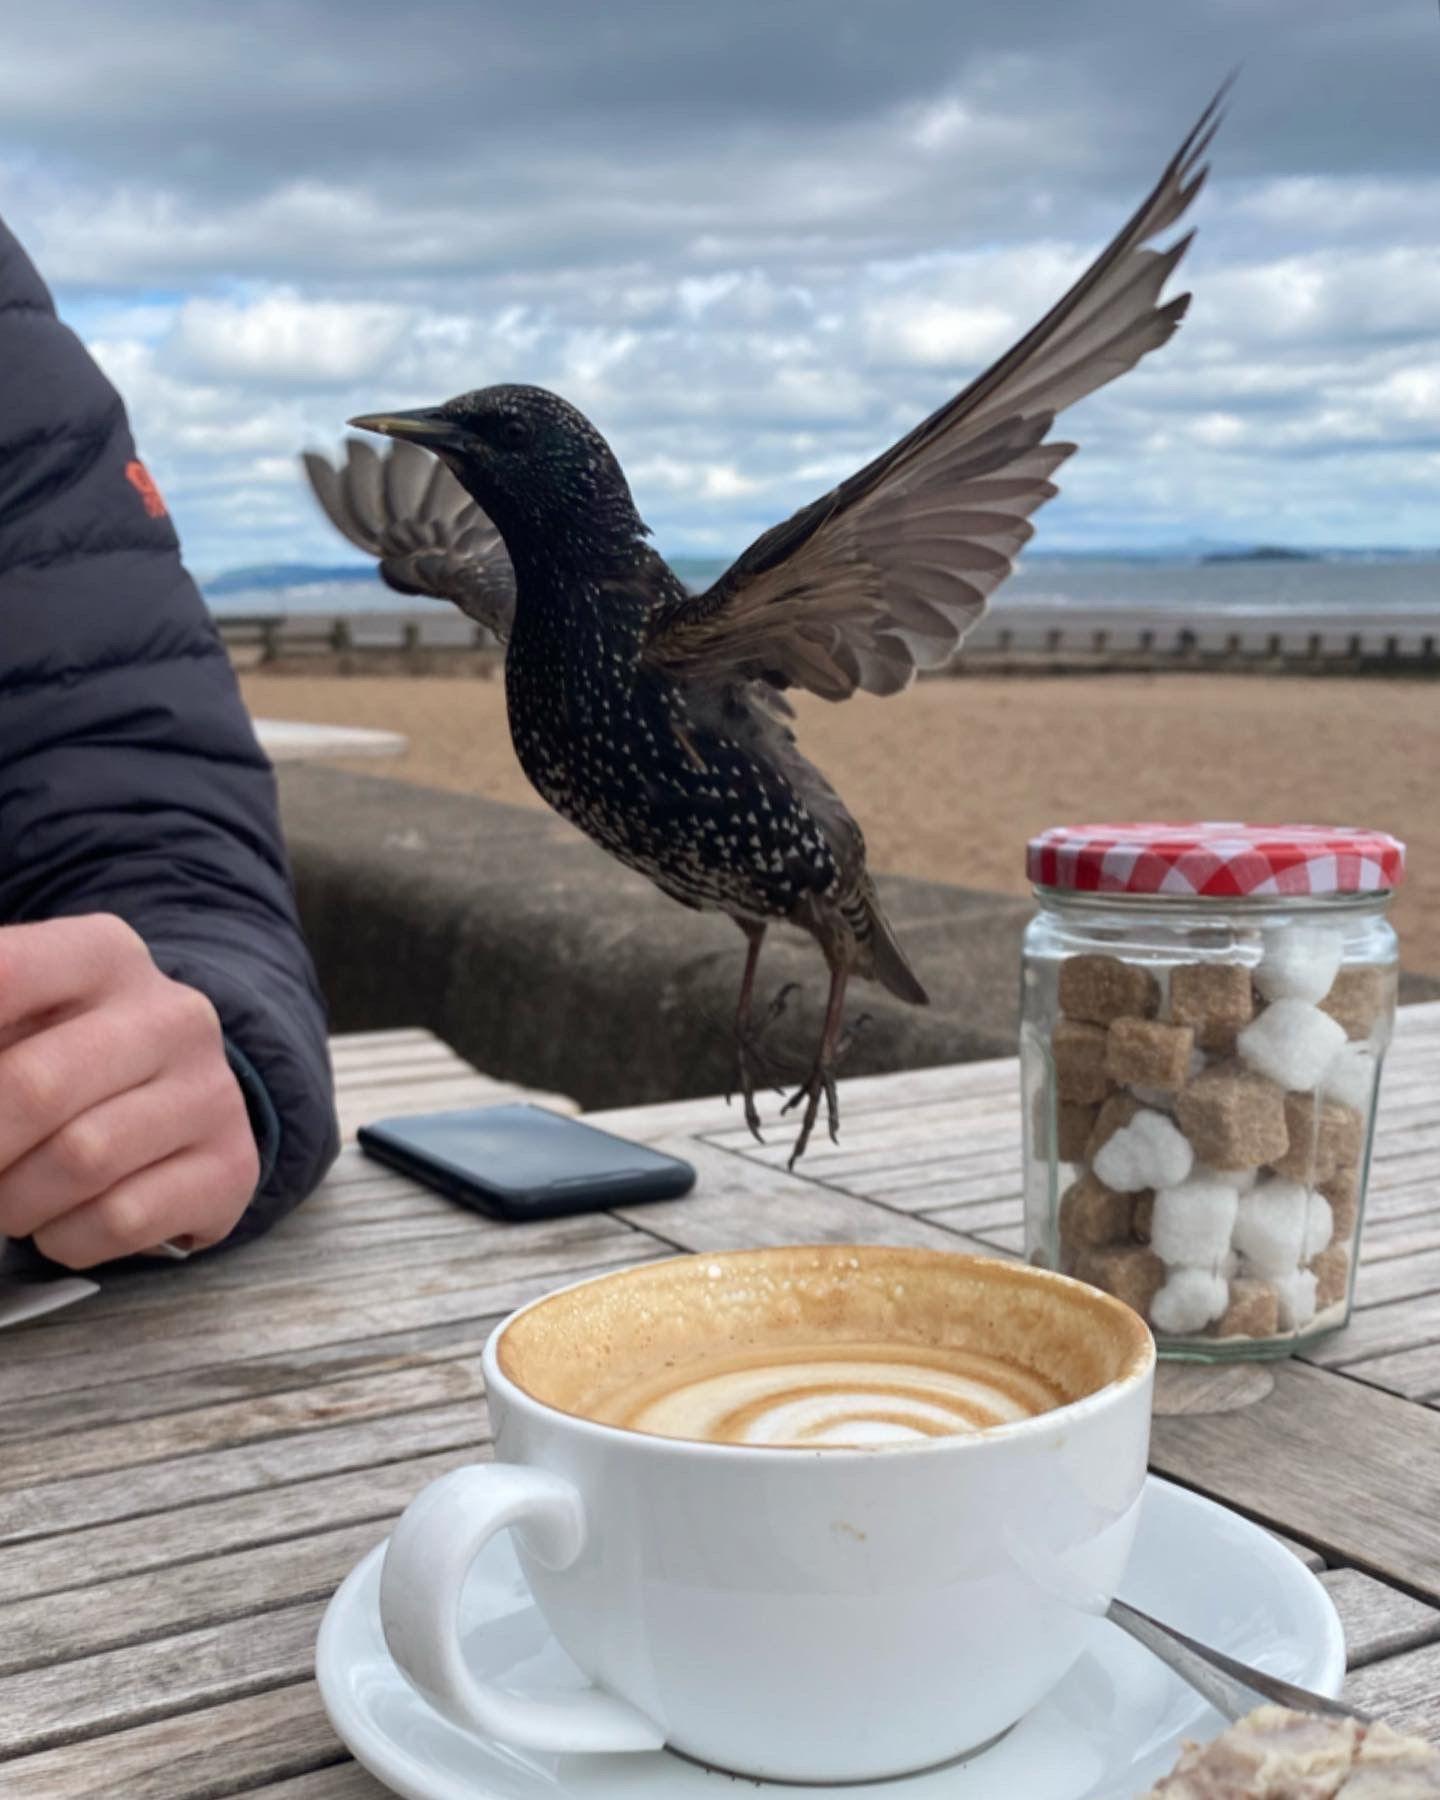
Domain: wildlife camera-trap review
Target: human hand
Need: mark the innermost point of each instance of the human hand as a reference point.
(121, 1123)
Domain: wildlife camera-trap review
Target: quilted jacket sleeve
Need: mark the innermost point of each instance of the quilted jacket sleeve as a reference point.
(130, 778)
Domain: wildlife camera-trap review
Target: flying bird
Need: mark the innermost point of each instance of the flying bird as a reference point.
(654, 718)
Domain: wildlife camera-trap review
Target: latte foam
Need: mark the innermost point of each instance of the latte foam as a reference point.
(821, 1346)
(823, 1396)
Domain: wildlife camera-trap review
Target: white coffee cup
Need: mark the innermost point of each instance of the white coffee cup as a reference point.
(819, 1615)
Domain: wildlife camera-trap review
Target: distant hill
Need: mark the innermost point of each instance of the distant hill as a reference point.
(1262, 553)
(288, 575)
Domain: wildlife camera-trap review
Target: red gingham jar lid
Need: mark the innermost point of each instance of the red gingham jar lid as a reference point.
(1215, 860)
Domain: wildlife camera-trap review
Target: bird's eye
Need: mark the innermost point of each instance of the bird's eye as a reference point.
(514, 430)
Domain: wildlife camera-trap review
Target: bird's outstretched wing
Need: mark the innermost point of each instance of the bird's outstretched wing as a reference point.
(430, 537)
(885, 574)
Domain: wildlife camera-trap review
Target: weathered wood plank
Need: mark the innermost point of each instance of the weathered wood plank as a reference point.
(80, 1559)
(222, 1751)
(467, 1287)
(116, 1690)
(738, 1202)
(23, 1421)
(341, 1781)
(1399, 1279)
(360, 1043)
(437, 1231)
(1338, 1464)
(107, 1449)
(267, 1466)
(362, 1105)
(1379, 1620)
(977, 1216)
(1381, 1330)
(1311, 1558)
(1402, 1690)
(168, 1602)
(1415, 1373)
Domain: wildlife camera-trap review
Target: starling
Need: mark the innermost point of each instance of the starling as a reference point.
(654, 718)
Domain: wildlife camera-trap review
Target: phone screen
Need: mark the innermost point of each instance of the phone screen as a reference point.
(521, 1161)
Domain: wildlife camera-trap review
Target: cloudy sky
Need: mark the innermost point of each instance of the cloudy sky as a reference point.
(755, 240)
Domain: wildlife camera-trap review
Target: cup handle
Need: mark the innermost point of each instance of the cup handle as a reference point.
(438, 1537)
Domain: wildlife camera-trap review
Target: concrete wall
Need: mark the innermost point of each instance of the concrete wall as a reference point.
(540, 959)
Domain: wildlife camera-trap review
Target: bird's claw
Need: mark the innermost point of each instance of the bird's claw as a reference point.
(754, 1065)
(819, 1082)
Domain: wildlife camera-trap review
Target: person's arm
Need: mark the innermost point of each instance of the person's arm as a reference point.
(132, 787)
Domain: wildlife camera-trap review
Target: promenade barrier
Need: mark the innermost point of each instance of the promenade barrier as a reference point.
(1011, 635)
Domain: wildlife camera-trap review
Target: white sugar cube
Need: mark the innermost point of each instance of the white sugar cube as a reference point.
(1270, 1227)
(1190, 1300)
(1319, 1226)
(1291, 1042)
(1149, 1152)
(1300, 963)
(1349, 1076)
(1242, 1180)
(1193, 1221)
(1296, 1294)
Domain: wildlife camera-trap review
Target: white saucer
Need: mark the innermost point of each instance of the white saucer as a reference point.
(1110, 1729)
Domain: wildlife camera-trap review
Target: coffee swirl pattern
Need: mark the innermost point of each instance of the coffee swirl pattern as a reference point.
(851, 1396)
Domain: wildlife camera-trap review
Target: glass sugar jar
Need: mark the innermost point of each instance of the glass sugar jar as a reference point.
(1205, 1012)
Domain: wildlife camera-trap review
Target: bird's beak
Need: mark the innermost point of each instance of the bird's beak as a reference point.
(427, 426)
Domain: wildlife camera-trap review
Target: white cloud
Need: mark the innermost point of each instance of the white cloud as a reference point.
(281, 336)
(755, 243)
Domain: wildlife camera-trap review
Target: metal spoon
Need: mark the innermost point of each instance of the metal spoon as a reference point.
(1231, 1687)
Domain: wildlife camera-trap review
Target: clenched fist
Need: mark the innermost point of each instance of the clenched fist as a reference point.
(121, 1124)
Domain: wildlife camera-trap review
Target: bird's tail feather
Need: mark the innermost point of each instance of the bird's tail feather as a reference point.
(890, 966)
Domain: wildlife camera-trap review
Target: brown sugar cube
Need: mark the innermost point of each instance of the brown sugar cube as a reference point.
(1091, 1213)
(1332, 1276)
(1254, 1311)
(1148, 1053)
(1342, 1190)
(1144, 1215)
(1358, 997)
(1079, 1052)
(1073, 1125)
(1101, 988)
(1214, 999)
(1117, 1112)
(1323, 1139)
(1234, 1118)
(1128, 1271)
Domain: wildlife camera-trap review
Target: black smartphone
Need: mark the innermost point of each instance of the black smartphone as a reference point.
(524, 1162)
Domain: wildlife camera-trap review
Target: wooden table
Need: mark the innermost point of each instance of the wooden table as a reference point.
(298, 740)
(191, 1461)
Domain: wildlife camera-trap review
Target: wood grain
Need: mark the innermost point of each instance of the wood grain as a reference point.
(190, 1463)
(1379, 1620)
(80, 1559)
(193, 1756)
(1402, 1690)
(341, 1781)
(116, 1689)
(162, 1341)
(740, 1202)
(185, 1596)
(1344, 1466)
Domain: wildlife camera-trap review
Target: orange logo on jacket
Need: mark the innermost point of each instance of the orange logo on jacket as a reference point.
(143, 483)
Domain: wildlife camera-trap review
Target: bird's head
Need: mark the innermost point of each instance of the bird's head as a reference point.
(538, 467)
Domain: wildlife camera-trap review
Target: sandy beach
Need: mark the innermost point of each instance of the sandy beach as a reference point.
(949, 780)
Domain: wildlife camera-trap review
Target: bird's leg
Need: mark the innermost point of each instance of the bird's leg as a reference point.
(747, 1036)
(821, 1079)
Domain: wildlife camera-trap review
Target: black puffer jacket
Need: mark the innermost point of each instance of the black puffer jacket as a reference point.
(130, 779)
